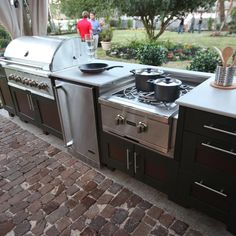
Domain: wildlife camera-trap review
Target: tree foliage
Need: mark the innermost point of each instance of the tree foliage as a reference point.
(164, 11)
(74, 8)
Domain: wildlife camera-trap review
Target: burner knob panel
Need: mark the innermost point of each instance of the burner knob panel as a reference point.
(141, 127)
(119, 119)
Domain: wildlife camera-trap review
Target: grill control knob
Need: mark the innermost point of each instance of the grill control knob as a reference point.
(10, 77)
(141, 127)
(31, 82)
(42, 85)
(24, 80)
(119, 119)
(18, 78)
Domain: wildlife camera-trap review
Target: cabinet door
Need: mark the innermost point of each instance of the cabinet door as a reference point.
(24, 104)
(204, 152)
(47, 114)
(154, 169)
(117, 153)
(6, 96)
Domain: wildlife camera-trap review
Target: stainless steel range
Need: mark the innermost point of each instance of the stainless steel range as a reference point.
(29, 60)
(138, 116)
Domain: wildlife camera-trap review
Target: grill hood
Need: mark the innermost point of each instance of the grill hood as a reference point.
(46, 53)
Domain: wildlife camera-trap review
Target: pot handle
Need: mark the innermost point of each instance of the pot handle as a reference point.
(133, 72)
(151, 81)
(111, 67)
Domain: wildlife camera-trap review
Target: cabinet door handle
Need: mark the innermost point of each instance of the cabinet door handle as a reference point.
(68, 143)
(127, 159)
(135, 162)
(218, 149)
(28, 99)
(211, 189)
(211, 127)
(31, 101)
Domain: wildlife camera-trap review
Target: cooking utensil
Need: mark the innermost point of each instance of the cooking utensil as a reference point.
(220, 54)
(227, 52)
(142, 76)
(167, 89)
(93, 68)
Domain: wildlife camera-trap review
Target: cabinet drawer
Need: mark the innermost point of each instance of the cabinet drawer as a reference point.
(211, 153)
(208, 124)
(210, 194)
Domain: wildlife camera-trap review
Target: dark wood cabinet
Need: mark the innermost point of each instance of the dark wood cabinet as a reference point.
(37, 110)
(24, 105)
(144, 164)
(47, 113)
(206, 151)
(6, 97)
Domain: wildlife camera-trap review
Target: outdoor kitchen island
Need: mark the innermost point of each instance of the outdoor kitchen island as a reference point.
(201, 185)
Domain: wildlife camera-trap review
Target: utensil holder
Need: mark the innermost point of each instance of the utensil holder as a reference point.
(224, 75)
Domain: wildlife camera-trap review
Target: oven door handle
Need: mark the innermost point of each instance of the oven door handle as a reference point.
(68, 143)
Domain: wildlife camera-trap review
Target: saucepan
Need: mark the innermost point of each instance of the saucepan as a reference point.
(94, 68)
(166, 89)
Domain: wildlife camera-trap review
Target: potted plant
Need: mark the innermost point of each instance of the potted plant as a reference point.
(106, 37)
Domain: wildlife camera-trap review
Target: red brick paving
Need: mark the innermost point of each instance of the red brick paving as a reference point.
(44, 191)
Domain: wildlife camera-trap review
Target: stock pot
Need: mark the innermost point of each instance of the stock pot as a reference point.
(142, 76)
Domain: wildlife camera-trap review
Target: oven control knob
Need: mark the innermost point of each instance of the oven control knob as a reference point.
(42, 85)
(141, 127)
(120, 119)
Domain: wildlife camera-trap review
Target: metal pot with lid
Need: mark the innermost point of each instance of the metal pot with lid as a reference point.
(166, 89)
(142, 76)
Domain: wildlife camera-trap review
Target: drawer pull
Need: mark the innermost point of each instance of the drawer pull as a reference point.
(218, 149)
(211, 127)
(211, 189)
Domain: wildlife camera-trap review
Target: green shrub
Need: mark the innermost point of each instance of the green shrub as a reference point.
(209, 24)
(5, 38)
(129, 23)
(152, 54)
(205, 60)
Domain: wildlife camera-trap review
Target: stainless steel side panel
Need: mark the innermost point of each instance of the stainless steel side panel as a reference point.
(76, 106)
(156, 135)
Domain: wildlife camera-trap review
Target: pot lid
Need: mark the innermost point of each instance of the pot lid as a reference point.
(148, 71)
(168, 81)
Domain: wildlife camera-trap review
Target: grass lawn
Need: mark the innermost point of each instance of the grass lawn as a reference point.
(203, 39)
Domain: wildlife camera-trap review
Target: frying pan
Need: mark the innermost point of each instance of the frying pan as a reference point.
(93, 68)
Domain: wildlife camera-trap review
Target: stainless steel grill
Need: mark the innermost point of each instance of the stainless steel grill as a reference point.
(29, 60)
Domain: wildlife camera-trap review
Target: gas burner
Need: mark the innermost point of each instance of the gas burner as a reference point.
(148, 98)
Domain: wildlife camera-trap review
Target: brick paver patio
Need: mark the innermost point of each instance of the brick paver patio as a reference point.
(44, 191)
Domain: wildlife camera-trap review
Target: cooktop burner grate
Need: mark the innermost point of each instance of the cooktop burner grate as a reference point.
(131, 93)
